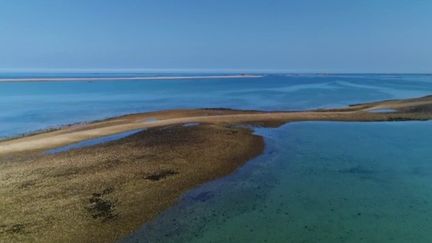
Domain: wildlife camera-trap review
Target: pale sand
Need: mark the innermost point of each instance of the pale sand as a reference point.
(125, 78)
(409, 109)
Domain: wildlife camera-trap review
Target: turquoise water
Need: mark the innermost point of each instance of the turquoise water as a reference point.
(316, 182)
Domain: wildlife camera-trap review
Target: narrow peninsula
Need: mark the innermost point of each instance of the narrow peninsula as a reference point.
(103, 192)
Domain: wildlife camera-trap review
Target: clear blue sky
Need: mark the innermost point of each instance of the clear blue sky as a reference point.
(289, 35)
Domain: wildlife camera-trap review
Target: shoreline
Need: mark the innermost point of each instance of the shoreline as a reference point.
(407, 109)
(59, 79)
(104, 192)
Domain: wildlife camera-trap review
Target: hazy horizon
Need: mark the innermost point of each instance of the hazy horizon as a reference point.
(186, 71)
(243, 36)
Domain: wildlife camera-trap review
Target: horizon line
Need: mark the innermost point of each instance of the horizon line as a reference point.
(188, 70)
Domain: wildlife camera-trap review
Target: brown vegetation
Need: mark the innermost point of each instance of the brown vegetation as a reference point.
(101, 193)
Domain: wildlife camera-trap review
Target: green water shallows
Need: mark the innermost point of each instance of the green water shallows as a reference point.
(317, 182)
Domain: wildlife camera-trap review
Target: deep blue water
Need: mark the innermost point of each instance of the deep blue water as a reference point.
(26, 107)
(316, 182)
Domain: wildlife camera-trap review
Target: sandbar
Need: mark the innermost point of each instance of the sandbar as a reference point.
(104, 192)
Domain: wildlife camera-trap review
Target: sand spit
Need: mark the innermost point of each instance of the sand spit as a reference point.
(409, 109)
(104, 192)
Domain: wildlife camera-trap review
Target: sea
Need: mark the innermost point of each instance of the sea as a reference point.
(315, 182)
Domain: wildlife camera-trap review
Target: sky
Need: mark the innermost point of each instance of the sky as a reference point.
(217, 35)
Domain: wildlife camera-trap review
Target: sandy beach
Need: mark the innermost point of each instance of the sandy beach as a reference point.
(409, 109)
(104, 192)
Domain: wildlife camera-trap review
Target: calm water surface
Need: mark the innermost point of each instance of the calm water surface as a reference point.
(316, 182)
(29, 106)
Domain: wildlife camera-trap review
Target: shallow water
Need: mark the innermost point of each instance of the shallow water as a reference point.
(384, 110)
(317, 182)
(92, 142)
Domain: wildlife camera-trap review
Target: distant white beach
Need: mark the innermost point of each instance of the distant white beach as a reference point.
(59, 79)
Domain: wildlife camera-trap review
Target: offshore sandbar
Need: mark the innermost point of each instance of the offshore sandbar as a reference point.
(59, 79)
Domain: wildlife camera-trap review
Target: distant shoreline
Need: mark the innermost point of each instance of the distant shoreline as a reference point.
(60, 79)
